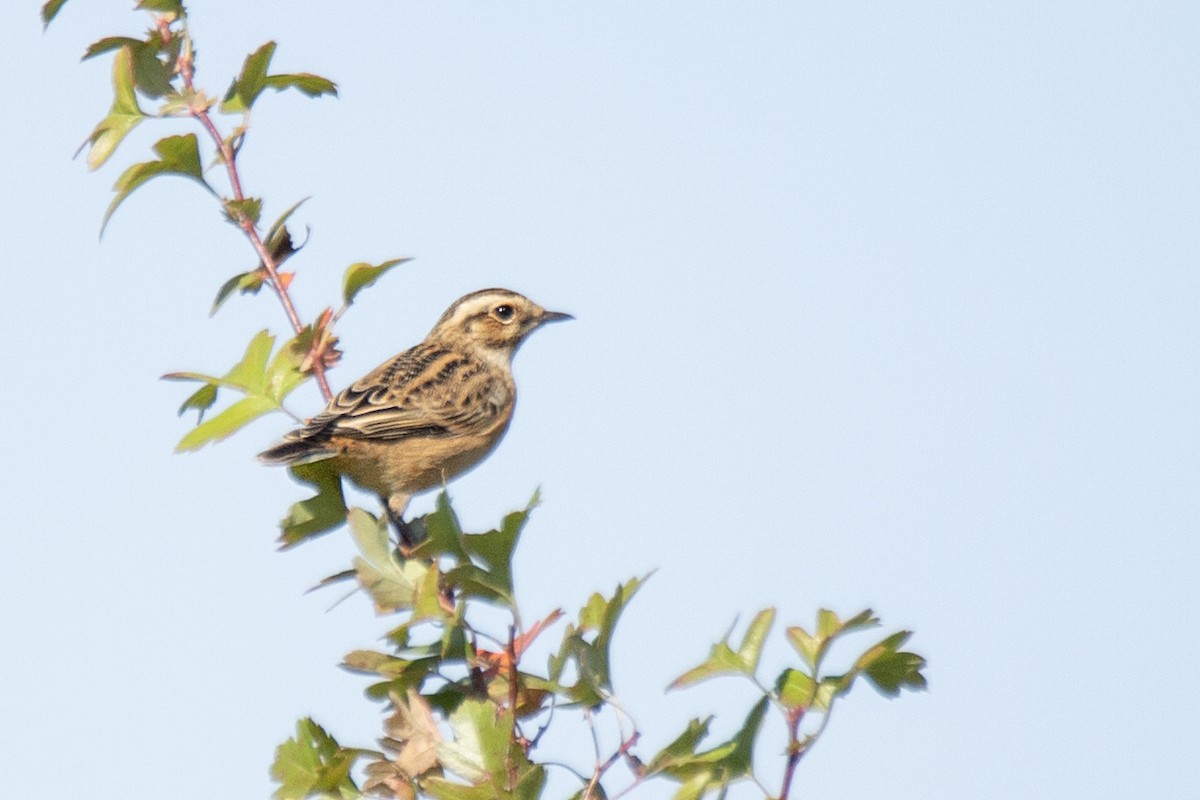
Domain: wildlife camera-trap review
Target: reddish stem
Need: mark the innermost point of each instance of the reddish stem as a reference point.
(229, 157)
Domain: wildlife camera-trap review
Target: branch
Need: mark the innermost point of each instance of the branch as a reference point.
(229, 157)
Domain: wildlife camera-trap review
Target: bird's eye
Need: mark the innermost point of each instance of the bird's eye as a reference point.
(504, 313)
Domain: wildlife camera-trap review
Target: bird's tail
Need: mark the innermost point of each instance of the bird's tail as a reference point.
(295, 451)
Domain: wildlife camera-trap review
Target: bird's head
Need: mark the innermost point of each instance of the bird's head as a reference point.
(492, 321)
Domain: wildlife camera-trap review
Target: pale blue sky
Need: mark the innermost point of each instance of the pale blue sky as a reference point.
(879, 304)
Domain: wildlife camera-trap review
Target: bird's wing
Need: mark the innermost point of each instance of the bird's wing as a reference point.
(425, 391)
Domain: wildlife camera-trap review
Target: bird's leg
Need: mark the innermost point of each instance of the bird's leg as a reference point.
(394, 507)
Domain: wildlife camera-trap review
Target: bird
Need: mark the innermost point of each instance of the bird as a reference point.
(430, 413)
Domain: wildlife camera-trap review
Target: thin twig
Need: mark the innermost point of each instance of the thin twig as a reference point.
(247, 225)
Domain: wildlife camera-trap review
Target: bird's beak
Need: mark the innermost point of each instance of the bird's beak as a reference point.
(554, 316)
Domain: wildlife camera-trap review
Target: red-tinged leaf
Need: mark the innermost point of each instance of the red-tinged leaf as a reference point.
(522, 642)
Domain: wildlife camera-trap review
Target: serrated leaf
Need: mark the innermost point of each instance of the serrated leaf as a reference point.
(723, 660)
(264, 386)
(443, 534)
(827, 623)
(178, 155)
(312, 762)
(305, 82)
(50, 11)
(201, 400)
(318, 514)
(391, 583)
(442, 789)
(249, 84)
(591, 656)
(123, 116)
(894, 671)
(495, 550)
(413, 731)
(153, 70)
(805, 644)
(162, 6)
(108, 44)
(361, 275)
(721, 765)
(250, 372)
(681, 750)
(481, 750)
(239, 212)
(226, 423)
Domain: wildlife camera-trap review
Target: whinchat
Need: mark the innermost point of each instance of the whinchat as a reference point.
(432, 412)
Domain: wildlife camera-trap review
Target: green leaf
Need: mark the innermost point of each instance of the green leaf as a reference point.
(250, 372)
(361, 275)
(278, 241)
(318, 514)
(680, 751)
(248, 85)
(265, 385)
(50, 11)
(154, 69)
(392, 583)
(123, 117)
(110, 43)
(752, 642)
(442, 789)
(305, 82)
(246, 88)
(443, 534)
(890, 670)
(481, 750)
(162, 6)
(716, 767)
(723, 660)
(795, 689)
(201, 400)
(495, 550)
(178, 155)
(226, 423)
(591, 656)
(313, 763)
(239, 212)
(246, 283)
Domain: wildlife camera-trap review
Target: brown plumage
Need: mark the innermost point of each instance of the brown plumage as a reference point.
(430, 413)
